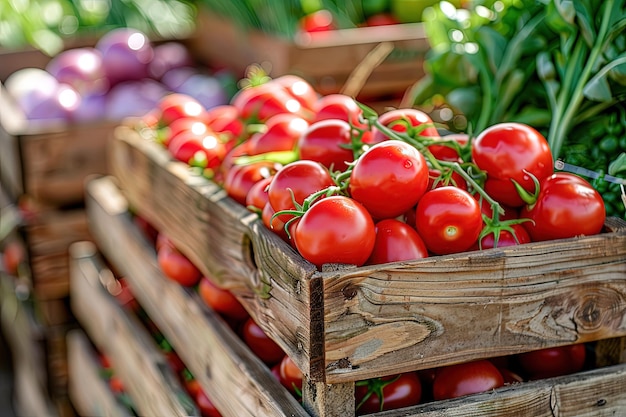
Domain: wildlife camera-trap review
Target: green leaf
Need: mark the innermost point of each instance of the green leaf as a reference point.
(618, 165)
(584, 18)
(598, 87)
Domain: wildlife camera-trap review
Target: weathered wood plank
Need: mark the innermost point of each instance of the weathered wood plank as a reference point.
(213, 353)
(146, 374)
(226, 241)
(89, 392)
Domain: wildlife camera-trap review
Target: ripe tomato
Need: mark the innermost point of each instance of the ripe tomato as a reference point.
(505, 151)
(448, 153)
(505, 238)
(199, 149)
(260, 344)
(296, 181)
(317, 21)
(260, 102)
(389, 178)
(300, 89)
(449, 177)
(329, 143)
(335, 229)
(257, 194)
(177, 266)
(195, 124)
(281, 134)
(448, 219)
(466, 378)
(555, 361)
(396, 241)
(275, 224)
(388, 393)
(205, 405)
(176, 106)
(240, 179)
(338, 106)
(13, 254)
(290, 376)
(116, 385)
(221, 300)
(225, 119)
(567, 206)
(412, 121)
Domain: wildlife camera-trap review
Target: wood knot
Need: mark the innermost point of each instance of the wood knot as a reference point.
(590, 314)
(349, 292)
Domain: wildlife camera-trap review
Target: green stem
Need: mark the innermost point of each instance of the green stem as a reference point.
(560, 126)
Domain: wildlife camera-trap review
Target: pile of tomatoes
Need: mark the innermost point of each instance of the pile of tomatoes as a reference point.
(344, 185)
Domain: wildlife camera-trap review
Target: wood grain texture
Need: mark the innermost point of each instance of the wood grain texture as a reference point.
(143, 368)
(238, 382)
(372, 321)
(89, 392)
(227, 242)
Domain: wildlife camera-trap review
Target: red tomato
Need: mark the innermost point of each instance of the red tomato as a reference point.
(290, 376)
(177, 266)
(318, 21)
(336, 229)
(184, 124)
(296, 181)
(555, 361)
(300, 89)
(388, 393)
(567, 206)
(225, 118)
(448, 219)
(205, 405)
(220, 300)
(338, 106)
(389, 178)
(241, 178)
(448, 153)
(505, 238)
(199, 149)
(505, 151)
(466, 378)
(396, 241)
(381, 19)
(281, 134)
(257, 196)
(329, 143)
(260, 344)
(176, 106)
(124, 295)
(275, 224)
(13, 254)
(259, 103)
(412, 121)
(192, 386)
(116, 384)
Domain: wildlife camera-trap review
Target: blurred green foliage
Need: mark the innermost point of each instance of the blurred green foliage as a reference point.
(47, 24)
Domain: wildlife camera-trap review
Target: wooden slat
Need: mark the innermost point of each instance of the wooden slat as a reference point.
(263, 271)
(152, 385)
(89, 392)
(355, 323)
(213, 353)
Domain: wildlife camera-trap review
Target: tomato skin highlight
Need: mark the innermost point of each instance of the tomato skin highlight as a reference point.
(448, 219)
(324, 142)
(389, 178)
(567, 206)
(335, 229)
(303, 178)
(466, 378)
(260, 343)
(396, 241)
(505, 151)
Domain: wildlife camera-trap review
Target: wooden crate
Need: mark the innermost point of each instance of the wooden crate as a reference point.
(211, 351)
(49, 163)
(327, 60)
(232, 376)
(26, 340)
(354, 323)
(89, 391)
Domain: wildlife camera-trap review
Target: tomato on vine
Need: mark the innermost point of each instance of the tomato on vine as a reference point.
(396, 241)
(466, 378)
(387, 393)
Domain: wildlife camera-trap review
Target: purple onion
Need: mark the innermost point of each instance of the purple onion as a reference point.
(81, 68)
(168, 56)
(126, 54)
(133, 98)
(204, 88)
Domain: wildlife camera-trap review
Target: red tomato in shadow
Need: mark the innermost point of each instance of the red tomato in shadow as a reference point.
(220, 300)
(289, 375)
(206, 406)
(260, 343)
(466, 378)
(177, 266)
(387, 393)
(551, 362)
(396, 241)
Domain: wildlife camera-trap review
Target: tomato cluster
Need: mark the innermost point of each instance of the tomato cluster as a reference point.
(345, 185)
